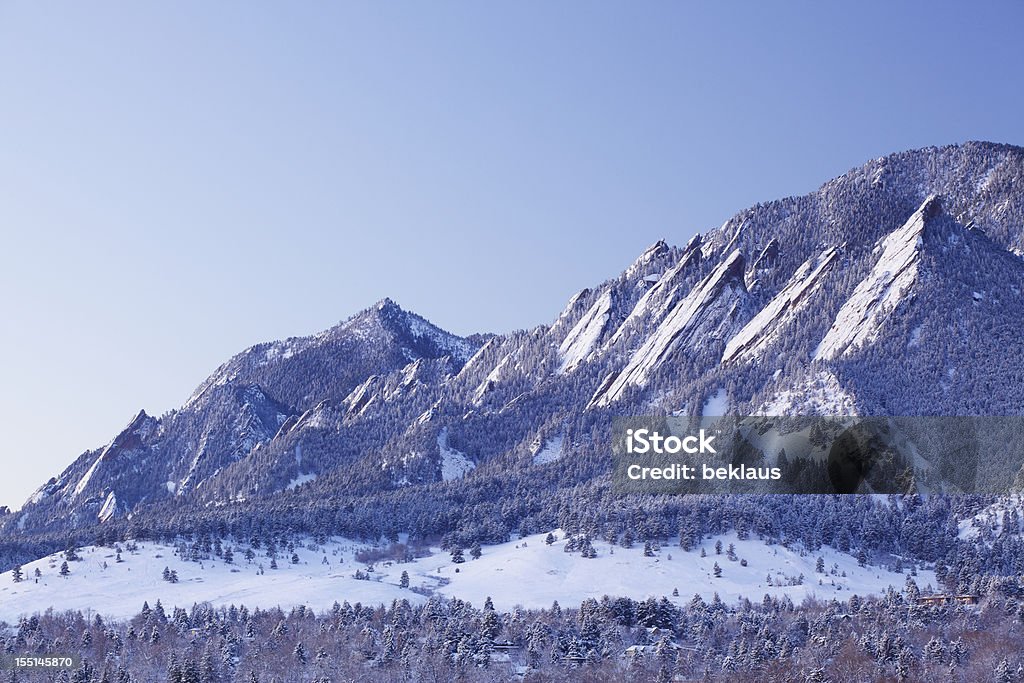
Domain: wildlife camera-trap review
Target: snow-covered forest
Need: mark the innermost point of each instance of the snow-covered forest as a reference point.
(455, 486)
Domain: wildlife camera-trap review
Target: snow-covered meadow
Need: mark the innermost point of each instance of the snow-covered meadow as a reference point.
(525, 572)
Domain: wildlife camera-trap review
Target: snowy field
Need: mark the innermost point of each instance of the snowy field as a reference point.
(524, 572)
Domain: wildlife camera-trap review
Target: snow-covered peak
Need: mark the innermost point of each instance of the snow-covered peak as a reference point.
(877, 295)
(583, 337)
(571, 306)
(387, 321)
(765, 327)
(130, 438)
(662, 294)
(650, 254)
(701, 315)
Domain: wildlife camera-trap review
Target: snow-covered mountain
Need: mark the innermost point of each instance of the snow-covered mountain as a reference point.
(226, 441)
(893, 289)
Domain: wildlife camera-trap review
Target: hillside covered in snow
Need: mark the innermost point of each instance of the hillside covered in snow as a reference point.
(894, 289)
(526, 573)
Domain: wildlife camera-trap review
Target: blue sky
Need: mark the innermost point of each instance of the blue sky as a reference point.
(181, 180)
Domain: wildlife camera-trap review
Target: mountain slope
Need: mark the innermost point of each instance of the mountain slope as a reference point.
(236, 421)
(893, 289)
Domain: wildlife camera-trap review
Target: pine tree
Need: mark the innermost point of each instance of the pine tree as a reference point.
(717, 571)
(173, 670)
(934, 652)
(549, 539)
(404, 581)
(208, 669)
(16, 574)
(490, 625)
(189, 671)
(457, 557)
(475, 551)
(64, 570)
(1003, 673)
(957, 652)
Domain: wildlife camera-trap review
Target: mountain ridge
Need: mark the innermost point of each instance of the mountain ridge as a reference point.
(359, 408)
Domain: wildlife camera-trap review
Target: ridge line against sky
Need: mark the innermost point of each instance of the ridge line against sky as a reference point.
(180, 182)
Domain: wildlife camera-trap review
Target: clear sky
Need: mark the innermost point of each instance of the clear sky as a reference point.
(181, 180)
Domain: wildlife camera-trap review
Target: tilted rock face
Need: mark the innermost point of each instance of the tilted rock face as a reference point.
(771, 321)
(707, 313)
(859, 320)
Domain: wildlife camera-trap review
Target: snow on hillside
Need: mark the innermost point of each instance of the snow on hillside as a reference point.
(548, 451)
(578, 344)
(656, 301)
(454, 465)
(860, 318)
(1002, 517)
(98, 583)
(455, 346)
(524, 572)
(767, 324)
(821, 394)
(659, 248)
(717, 404)
(710, 301)
(300, 480)
(532, 574)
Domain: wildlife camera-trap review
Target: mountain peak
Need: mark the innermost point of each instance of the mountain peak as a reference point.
(386, 310)
(132, 435)
(387, 304)
(931, 207)
(890, 280)
(649, 255)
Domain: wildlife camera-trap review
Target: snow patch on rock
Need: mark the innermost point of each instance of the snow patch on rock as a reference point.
(109, 507)
(454, 465)
(702, 314)
(861, 317)
(766, 326)
(578, 345)
(822, 394)
(550, 450)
